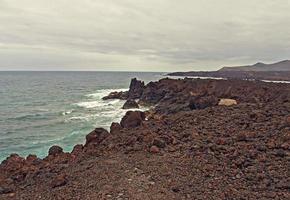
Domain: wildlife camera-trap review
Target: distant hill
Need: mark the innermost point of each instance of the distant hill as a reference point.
(279, 66)
(279, 71)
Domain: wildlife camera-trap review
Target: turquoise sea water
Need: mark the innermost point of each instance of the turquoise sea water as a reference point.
(41, 109)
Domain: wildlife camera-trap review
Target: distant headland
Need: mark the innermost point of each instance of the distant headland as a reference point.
(279, 71)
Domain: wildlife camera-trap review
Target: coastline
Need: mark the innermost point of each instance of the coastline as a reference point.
(246, 75)
(188, 144)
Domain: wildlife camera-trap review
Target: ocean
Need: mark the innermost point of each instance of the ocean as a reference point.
(41, 109)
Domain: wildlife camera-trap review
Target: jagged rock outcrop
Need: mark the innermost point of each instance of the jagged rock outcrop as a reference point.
(136, 89)
(117, 95)
(130, 103)
(96, 137)
(115, 128)
(171, 96)
(132, 119)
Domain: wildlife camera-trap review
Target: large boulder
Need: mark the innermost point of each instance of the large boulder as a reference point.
(13, 163)
(136, 89)
(132, 119)
(227, 102)
(130, 103)
(54, 150)
(115, 128)
(96, 137)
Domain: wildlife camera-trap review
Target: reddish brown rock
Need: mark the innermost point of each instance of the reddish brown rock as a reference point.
(288, 120)
(115, 128)
(55, 150)
(13, 163)
(31, 158)
(154, 149)
(77, 149)
(96, 137)
(132, 119)
(59, 181)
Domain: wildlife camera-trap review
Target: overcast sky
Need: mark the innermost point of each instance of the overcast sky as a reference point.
(142, 35)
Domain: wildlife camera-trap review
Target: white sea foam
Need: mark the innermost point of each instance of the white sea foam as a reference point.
(91, 104)
(67, 112)
(98, 104)
(268, 81)
(103, 92)
(79, 118)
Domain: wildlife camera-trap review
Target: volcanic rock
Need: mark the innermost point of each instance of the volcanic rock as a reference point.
(159, 143)
(202, 102)
(130, 103)
(13, 163)
(59, 181)
(54, 150)
(117, 95)
(4, 190)
(77, 149)
(115, 128)
(132, 119)
(96, 137)
(136, 89)
(31, 158)
(154, 149)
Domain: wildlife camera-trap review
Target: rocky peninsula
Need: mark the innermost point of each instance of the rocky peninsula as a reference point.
(279, 71)
(201, 139)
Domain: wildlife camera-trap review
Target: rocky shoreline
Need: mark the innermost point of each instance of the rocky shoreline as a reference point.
(202, 139)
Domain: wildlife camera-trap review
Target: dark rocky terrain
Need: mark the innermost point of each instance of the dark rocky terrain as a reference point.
(189, 146)
(276, 72)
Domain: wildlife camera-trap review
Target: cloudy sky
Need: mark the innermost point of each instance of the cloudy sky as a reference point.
(142, 35)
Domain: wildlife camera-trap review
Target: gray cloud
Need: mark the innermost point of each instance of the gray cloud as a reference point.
(152, 35)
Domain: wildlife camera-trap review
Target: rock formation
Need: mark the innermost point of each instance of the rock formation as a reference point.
(190, 148)
(130, 103)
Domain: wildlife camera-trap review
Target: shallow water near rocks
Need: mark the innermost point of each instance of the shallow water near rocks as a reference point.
(41, 109)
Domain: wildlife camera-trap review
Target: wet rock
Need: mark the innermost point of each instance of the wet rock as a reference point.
(132, 119)
(55, 150)
(130, 103)
(116, 95)
(96, 137)
(154, 149)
